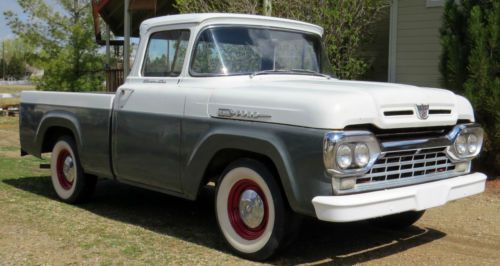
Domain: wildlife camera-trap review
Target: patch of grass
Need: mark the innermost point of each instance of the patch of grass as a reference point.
(121, 225)
(9, 123)
(9, 136)
(5, 102)
(9, 148)
(15, 88)
(113, 228)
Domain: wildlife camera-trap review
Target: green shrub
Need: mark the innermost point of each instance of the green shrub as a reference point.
(470, 65)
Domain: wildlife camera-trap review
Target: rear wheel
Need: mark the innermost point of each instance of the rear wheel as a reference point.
(250, 210)
(398, 221)
(68, 179)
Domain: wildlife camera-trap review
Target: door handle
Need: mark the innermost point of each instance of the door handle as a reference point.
(126, 91)
(124, 96)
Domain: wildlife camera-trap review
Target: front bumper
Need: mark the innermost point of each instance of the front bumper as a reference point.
(391, 201)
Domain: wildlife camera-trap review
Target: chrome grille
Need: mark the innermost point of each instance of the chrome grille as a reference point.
(409, 164)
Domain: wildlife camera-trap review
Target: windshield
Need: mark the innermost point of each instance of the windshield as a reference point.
(243, 50)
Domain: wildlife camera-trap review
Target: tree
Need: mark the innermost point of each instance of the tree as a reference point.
(15, 67)
(470, 65)
(64, 42)
(3, 64)
(346, 23)
(14, 53)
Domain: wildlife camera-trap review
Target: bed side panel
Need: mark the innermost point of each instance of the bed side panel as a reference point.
(87, 115)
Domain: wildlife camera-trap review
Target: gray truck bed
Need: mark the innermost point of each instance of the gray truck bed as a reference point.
(88, 115)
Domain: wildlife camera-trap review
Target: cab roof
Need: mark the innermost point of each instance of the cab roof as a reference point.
(227, 18)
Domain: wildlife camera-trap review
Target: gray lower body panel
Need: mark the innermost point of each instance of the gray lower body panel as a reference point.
(146, 149)
(171, 154)
(90, 127)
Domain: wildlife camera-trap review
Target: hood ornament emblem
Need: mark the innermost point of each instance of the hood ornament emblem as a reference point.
(422, 111)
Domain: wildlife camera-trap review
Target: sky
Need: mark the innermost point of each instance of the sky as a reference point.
(5, 32)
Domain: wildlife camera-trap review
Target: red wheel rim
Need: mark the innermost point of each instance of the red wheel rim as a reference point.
(63, 181)
(235, 219)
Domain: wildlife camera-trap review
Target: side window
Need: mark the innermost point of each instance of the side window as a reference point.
(165, 53)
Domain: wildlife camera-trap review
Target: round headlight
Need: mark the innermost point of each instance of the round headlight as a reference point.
(344, 156)
(361, 155)
(461, 144)
(472, 143)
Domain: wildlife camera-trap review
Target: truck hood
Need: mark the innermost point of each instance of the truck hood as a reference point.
(334, 104)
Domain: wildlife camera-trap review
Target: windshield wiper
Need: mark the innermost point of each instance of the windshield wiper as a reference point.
(270, 71)
(312, 72)
(289, 71)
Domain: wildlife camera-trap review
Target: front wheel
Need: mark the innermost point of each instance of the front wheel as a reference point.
(68, 179)
(250, 210)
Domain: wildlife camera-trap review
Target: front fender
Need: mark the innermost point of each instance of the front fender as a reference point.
(296, 152)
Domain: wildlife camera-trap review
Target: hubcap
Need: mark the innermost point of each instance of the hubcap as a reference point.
(66, 170)
(251, 208)
(247, 209)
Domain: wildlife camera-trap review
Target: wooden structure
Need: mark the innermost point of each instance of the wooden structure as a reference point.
(123, 18)
(114, 78)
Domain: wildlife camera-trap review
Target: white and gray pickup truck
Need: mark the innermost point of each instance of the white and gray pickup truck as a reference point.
(249, 103)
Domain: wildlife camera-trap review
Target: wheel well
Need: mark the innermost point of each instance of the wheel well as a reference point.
(224, 157)
(52, 135)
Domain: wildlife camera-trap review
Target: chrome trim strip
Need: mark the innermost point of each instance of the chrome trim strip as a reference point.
(415, 144)
(418, 151)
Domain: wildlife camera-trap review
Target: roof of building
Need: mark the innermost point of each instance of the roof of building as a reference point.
(111, 11)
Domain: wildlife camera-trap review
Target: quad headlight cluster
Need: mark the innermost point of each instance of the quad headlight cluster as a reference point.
(467, 142)
(349, 153)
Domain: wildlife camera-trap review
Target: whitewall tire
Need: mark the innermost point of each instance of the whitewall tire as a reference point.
(68, 179)
(250, 210)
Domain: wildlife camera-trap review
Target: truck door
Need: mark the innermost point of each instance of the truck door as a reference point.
(147, 115)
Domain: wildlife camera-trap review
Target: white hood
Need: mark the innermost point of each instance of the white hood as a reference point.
(334, 104)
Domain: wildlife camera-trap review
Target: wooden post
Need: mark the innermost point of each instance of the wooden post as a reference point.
(393, 41)
(108, 52)
(126, 38)
(268, 7)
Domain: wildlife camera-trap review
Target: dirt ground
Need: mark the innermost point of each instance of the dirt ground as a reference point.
(464, 232)
(123, 225)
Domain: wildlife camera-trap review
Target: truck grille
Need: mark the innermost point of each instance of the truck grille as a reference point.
(403, 163)
(401, 166)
